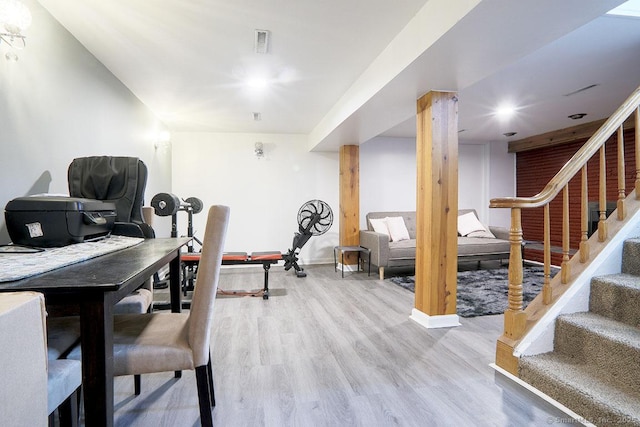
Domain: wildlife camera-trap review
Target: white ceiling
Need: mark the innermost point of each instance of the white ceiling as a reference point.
(343, 72)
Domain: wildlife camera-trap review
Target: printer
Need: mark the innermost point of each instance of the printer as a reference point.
(53, 221)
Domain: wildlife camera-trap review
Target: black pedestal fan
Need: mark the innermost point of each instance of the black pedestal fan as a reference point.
(314, 218)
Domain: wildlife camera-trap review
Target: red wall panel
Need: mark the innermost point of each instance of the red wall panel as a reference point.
(535, 168)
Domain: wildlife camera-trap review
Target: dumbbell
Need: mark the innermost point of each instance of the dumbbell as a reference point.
(166, 204)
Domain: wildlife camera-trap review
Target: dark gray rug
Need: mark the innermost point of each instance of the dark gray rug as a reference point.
(484, 292)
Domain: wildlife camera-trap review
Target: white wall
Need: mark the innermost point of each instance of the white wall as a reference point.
(57, 102)
(264, 194)
(388, 177)
(486, 170)
(473, 174)
(502, 181)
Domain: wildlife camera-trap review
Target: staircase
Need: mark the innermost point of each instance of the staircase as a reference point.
(594, 369)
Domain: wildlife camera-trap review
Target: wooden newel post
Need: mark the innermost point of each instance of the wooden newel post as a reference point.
(515, 318)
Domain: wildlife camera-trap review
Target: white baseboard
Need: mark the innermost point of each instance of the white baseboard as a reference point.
(348, 267)
(430, 322)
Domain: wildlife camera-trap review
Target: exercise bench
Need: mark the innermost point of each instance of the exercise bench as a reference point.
(191, 259)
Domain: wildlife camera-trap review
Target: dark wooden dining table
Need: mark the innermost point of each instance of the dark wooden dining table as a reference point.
(91, 288)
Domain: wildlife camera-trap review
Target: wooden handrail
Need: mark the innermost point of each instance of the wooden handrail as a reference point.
(579, 159)
(516, 319)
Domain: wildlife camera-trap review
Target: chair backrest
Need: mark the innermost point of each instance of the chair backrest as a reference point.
(121, 180)
(204, 294)
(23, 359)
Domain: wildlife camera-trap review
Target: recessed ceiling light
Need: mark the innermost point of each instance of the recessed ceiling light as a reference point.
(577, 116)
(257, 83)
(510, 134)
(505, 111)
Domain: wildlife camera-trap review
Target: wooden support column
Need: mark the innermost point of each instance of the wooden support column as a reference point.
(350, 200)
(437, 210)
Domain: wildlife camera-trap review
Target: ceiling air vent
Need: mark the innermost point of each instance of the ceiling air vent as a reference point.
(581, 90)
(262, 41)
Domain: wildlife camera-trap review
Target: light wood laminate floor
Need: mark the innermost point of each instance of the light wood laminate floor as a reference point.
(326, 351)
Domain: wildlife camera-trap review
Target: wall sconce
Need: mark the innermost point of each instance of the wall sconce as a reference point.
(15, 17)
(163, 140)
(259, 150)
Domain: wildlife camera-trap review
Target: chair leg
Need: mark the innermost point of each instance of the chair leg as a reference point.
(210, 377)
(68, 411)
(137, 384)
(204, 399)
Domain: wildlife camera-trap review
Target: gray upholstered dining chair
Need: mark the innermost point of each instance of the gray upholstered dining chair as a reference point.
(64, 379)
(23, 359)
(34, 382)
(164, 342)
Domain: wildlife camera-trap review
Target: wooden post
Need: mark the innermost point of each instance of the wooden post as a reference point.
(584, 217)
(603, 232)
(515, 319)
(437, 210)
(350, 200)
(565, 267)
(620, 205)
(547, 291)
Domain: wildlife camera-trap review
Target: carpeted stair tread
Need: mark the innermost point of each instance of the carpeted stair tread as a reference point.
(616, 296)
(606, 328)
(609, 345)
(622, 279)
(630, 256)
(581, 388)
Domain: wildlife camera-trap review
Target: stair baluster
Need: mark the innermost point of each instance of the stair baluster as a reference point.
(620, 207)
(584, 217)
(566, 270)
(547, 291)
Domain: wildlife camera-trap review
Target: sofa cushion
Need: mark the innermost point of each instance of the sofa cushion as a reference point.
(379, 225)
(408, 216)
(486, 234)
(397, 230)
(469, 223)
(402, 249)
(477, 246)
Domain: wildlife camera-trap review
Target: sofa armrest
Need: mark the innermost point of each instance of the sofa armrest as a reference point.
(500, 232)
(378, 243)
